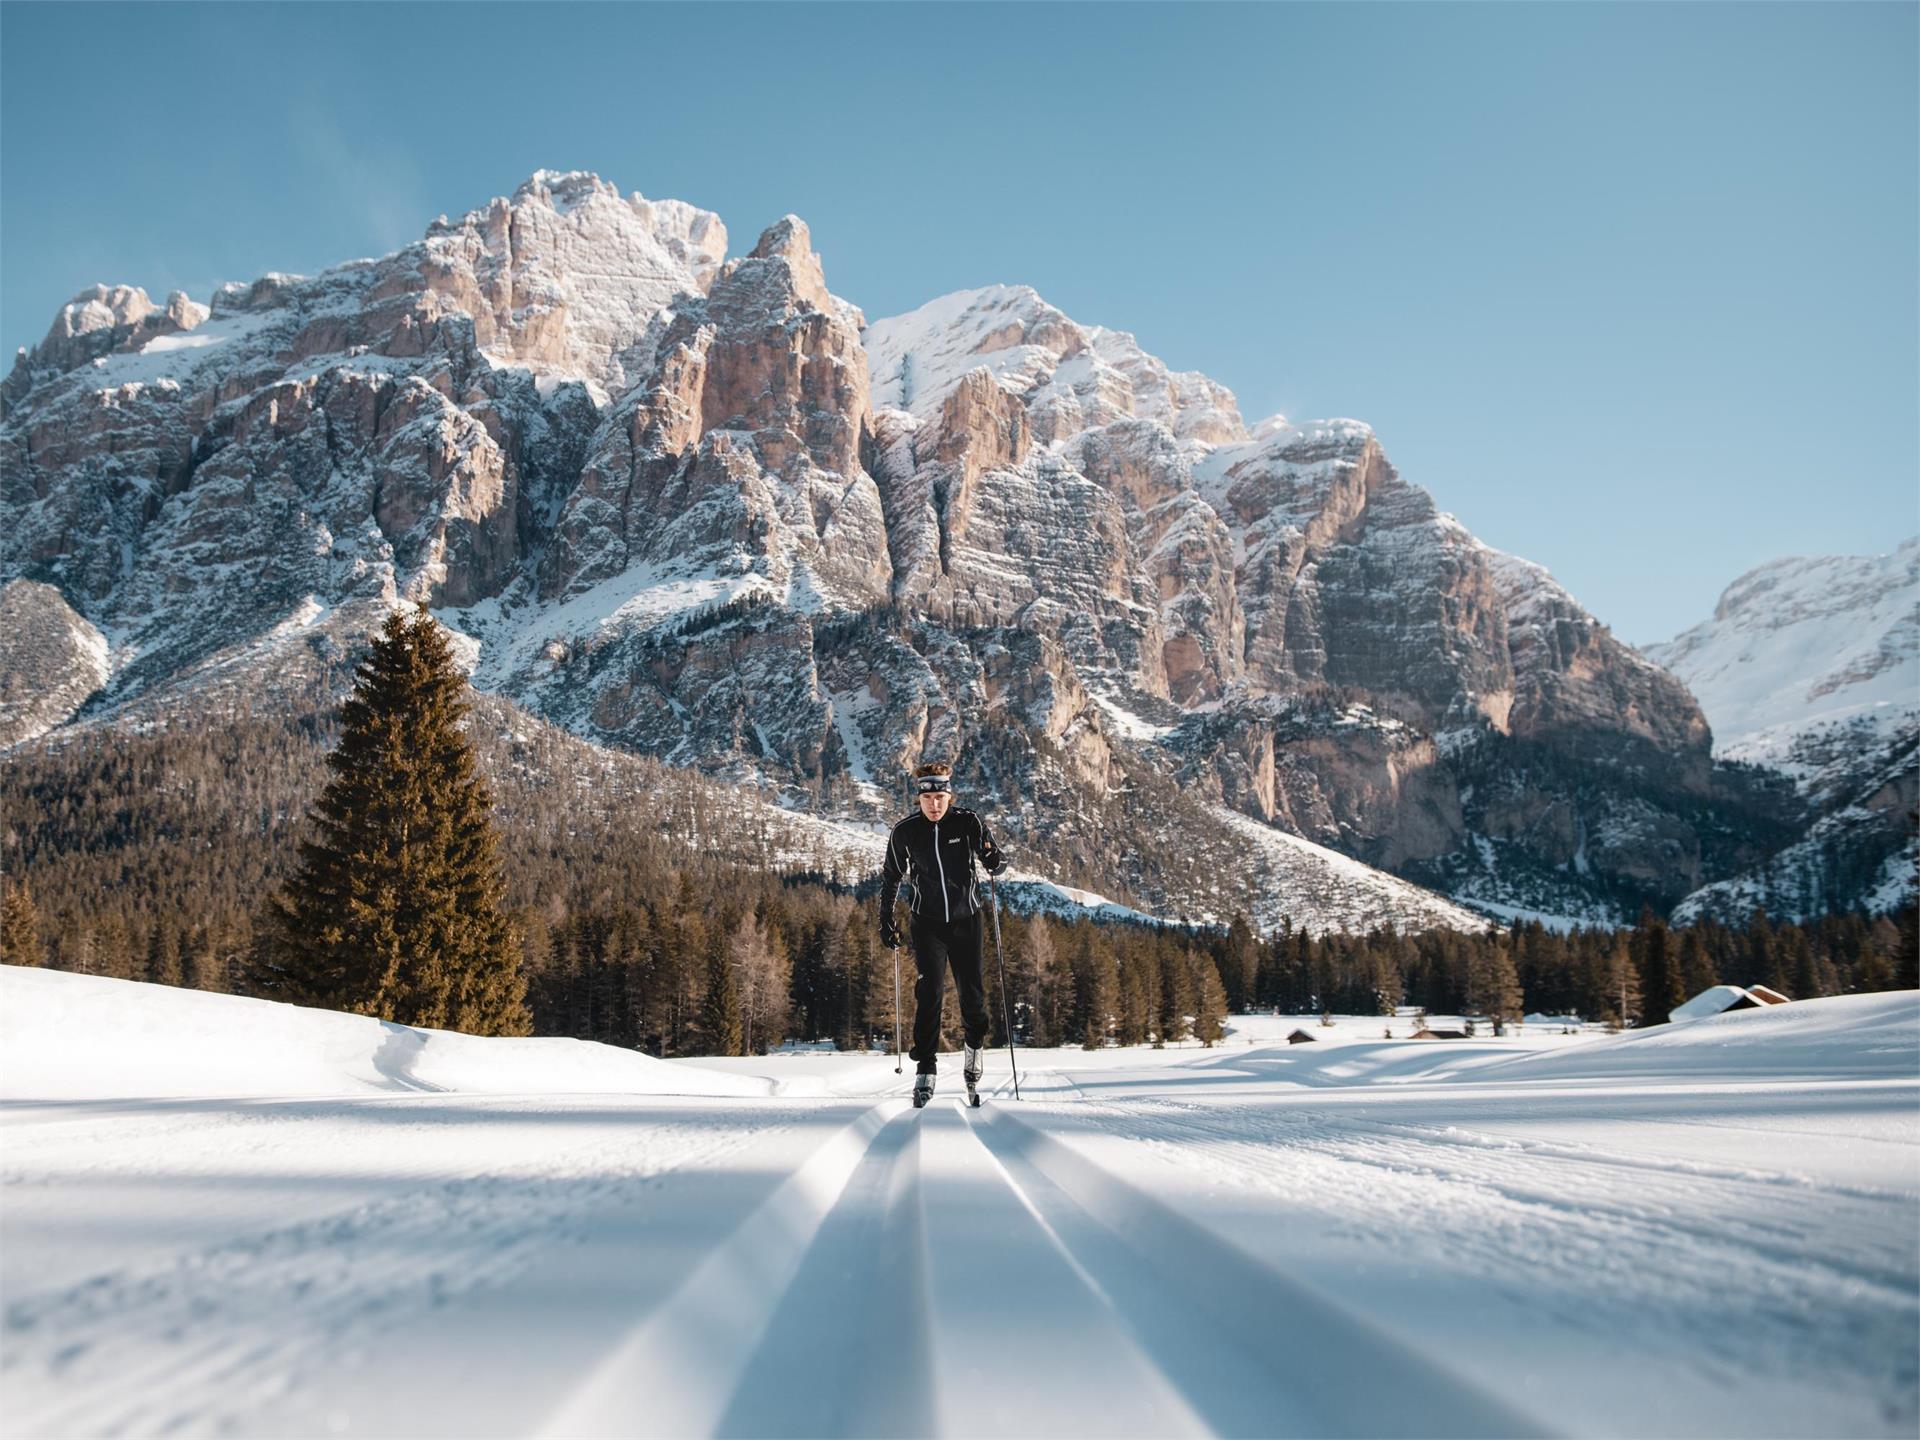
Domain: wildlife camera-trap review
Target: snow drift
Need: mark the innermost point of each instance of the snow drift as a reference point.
(84, 1037)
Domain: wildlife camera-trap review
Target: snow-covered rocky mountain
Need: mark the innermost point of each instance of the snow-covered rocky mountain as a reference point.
(1810, 666)
(699, 507)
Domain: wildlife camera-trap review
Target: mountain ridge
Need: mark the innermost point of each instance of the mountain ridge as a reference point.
(699, 507)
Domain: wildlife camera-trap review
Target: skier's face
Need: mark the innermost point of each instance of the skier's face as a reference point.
(933, 803)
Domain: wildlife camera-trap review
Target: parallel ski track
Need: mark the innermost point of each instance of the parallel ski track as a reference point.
(1583, 1213)
(933, 1272)
(135, 1351)
(907, 1279)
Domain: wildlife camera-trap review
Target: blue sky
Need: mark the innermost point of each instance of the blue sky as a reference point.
(1633, 289)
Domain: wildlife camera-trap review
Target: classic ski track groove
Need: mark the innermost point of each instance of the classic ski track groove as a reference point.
(948, 1244)
(1644, 1211)
(1255, 1353)
(886, 1223)
(1650, 1207)
(197, 1290)
(675, 1371)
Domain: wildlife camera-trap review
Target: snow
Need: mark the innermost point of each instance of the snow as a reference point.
(1804, 643)
(1322, 890)
(1708, 1002)
(84, 1038)
(1127, 723)
(915, 359)
(175, 356)
(226, 1216)
(1552, 920)
(848, 707)
(1079, 374)
(641, 596)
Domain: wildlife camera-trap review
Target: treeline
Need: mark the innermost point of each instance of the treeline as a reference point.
(690, 960)
(643, 906)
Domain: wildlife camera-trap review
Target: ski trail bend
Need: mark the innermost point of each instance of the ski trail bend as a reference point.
(949, 1271)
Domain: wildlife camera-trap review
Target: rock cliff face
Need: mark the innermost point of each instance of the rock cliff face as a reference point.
(51, 660)
(700, 507)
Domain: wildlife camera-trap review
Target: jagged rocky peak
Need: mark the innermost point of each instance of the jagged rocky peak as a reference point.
(1810, 668)
(741, 450)
(1805, 645)
(1573, 678)
(699, 506)
(1069, 377)
(98, 321)
(789, 240)
(566, 276)
(104, 317)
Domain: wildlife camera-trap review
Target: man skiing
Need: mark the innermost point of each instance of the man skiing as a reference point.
(934, 848)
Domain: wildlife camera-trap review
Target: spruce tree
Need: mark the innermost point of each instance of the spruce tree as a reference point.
(722, 1013)
(395, 906)
(1493, 985)
(1696, 963)
(1210, 1002)
(1906, 958)
(163, 956)
(1622, 986)
(20, 942)
(1241, 968)
(1661, 989)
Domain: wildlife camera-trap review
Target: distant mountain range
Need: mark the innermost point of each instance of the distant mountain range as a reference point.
(1811, 667)
(698, 507)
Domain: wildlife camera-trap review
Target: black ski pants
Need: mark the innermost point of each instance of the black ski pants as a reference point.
(936, 945)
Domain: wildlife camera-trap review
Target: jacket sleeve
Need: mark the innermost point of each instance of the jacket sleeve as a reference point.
(891, 872)
(991, 855)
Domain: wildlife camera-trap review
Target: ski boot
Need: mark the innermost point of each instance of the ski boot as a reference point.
(922, 1091)
(971, 1074)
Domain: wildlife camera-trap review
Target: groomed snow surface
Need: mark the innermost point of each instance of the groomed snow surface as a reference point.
(224, 1216)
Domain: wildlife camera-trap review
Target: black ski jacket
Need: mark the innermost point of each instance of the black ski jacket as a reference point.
(938, 860)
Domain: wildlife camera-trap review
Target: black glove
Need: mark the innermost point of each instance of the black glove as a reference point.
(889, 935)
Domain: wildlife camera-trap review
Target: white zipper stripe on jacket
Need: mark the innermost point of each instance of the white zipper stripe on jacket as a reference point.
(945, 903)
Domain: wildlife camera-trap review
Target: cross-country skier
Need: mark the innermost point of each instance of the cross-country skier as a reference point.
(935, 849)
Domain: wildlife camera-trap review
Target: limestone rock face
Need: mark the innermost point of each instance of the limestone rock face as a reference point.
(1574, 680)
(565, 278)
(403, 426)
(742, 450)
(699, 506)
(100, 319)
(51, 660)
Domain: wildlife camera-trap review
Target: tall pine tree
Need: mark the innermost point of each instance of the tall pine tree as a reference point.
(1210, 1001)
(721, 1019)
(395, 906)
(20, 942)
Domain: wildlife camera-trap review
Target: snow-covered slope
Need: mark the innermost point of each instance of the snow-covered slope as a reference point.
(82, 1037)
(1243, 1239)
(1810, 667)
(1804, 645)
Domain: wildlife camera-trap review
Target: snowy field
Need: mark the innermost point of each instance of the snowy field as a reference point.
(223, 1216)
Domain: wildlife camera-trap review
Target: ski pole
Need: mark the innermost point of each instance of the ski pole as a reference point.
(1006, 1001)
(896, 966)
